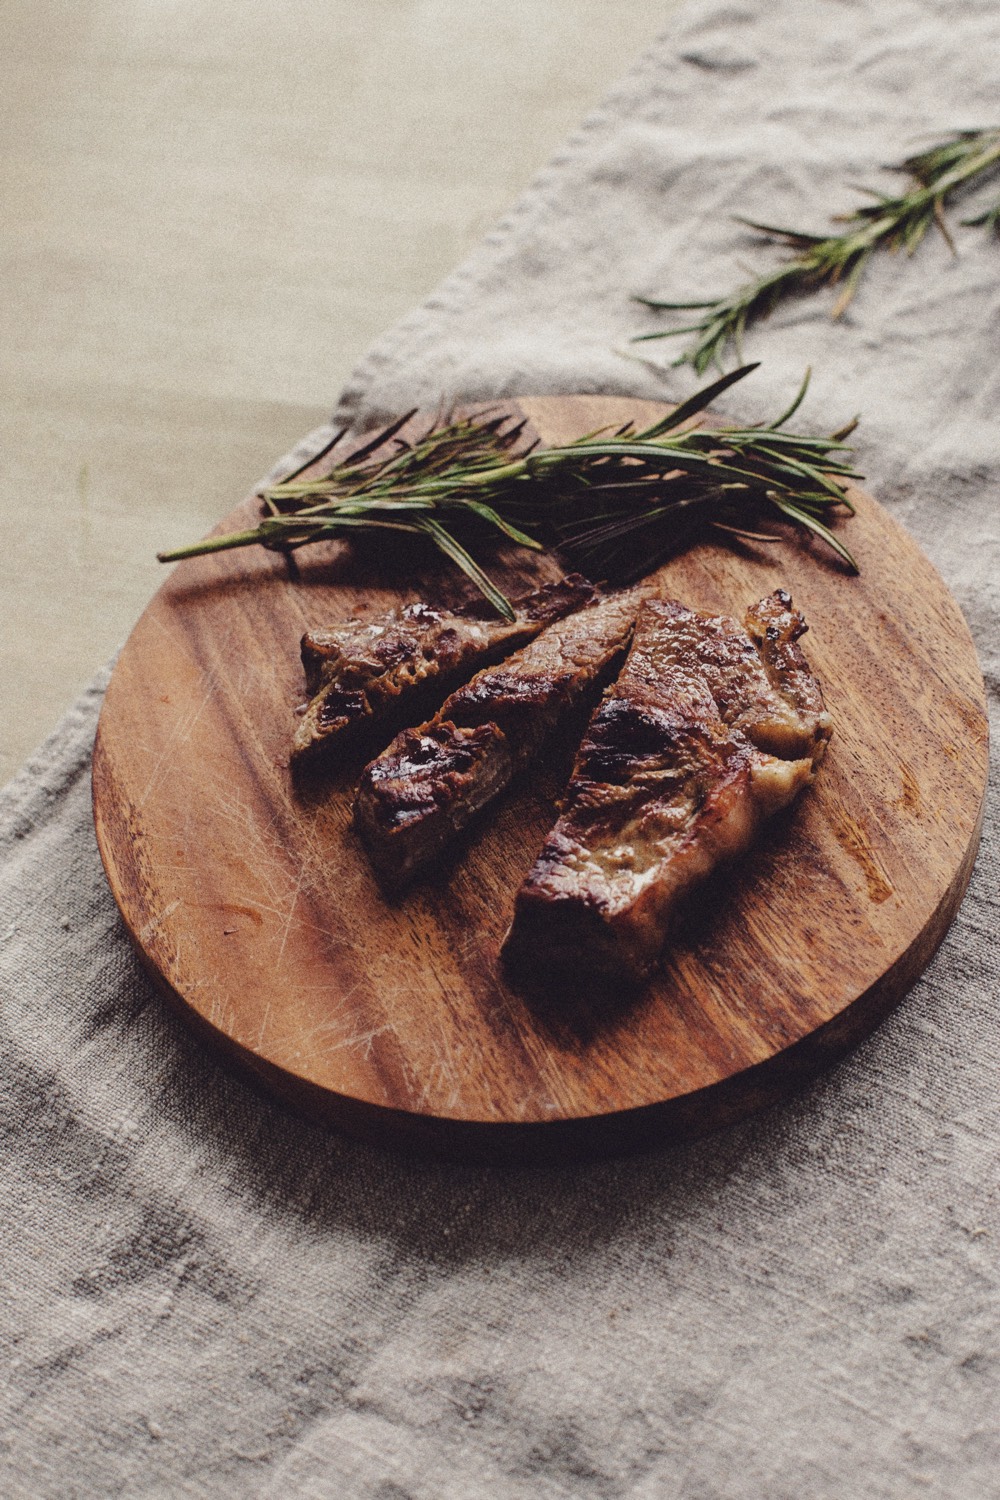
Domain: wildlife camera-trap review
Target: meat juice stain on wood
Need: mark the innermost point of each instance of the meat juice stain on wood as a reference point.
(393, 1019)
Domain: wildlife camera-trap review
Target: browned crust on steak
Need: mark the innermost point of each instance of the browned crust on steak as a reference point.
(430, 783)
(775, 628)
(424, 789)
(709, 729)
(363, 674)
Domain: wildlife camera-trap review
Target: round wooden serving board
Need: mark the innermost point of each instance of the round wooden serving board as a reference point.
(253, 904)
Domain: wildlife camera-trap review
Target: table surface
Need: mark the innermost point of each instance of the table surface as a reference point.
(197, 261)
(202, 1295)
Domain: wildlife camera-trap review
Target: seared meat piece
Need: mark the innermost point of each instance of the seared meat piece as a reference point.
(430, 782)
(358, 673)
(709, 729)
(792, 720)
(756, 673)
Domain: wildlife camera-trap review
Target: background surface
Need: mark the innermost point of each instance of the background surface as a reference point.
(206, 1298)
(211, 209)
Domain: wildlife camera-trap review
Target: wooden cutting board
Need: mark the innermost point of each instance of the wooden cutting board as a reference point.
(254, 907)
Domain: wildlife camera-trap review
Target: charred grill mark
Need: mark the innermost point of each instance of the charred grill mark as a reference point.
(504, 696)
(374, 669)
(424, 790)
(395, 650)
(338, 706)
(621, 737)
(482, 736)
(427, 769)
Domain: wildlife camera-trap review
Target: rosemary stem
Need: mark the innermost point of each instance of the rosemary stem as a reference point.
(889, 223)
(601, 500)
(212, 544)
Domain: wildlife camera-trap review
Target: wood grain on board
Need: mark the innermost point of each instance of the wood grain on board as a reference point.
(253, 905)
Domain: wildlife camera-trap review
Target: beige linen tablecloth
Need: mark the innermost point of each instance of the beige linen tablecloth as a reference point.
(204, 1297)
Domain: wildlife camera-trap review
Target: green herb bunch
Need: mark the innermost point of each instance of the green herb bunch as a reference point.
(614, 502)
(839, 260)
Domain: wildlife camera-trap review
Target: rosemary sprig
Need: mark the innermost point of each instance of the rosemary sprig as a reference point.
(889, 223)
(613, 502)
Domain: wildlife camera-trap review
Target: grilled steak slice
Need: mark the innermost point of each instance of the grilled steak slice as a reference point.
(361, 673)
(709, 729)
(430, 782)
(756, 673)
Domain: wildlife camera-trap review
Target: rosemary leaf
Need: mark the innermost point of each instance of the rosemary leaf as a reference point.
(619, 500)
(840, 260)
(457, 554)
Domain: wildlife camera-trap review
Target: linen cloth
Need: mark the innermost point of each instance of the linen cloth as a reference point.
(205, 1297)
